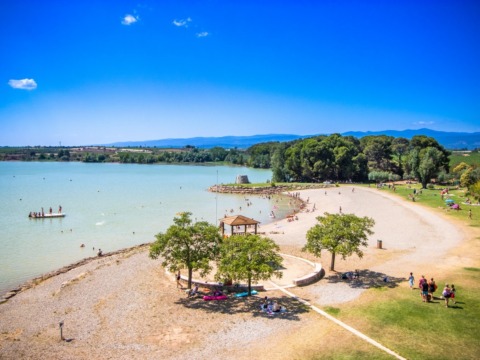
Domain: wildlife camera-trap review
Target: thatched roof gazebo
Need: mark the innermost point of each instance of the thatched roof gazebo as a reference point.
(238, 220)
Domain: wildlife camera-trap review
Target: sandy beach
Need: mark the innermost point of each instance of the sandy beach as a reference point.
(126, 306)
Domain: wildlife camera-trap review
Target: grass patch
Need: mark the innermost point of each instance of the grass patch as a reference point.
(472, 269)
(418, 330)
(332, 310)
(398, 319)
(433, 198)
(470, 158)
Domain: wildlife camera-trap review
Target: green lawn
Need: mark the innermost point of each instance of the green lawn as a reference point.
(398, 319)
(470, 158)
(433, 198)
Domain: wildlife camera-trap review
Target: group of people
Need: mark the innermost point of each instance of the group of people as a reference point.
(271, 306)
(41, 213)
(428, 288)
(351, 275)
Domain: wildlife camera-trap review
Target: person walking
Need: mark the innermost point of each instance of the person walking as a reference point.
(453, 294)
(425, 291)
(411, 281)
(432, 287)
(447, 293)
(421, 281)
(179, 277)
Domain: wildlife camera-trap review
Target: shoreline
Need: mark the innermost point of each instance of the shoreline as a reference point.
(64, 269)
(10, 293)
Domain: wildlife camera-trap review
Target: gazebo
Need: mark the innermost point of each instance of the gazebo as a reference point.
(237, 220)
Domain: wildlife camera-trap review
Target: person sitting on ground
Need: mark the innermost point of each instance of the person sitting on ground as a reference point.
(193, 291)
(99, 253)
(356, 274)
(276, 307)
(265, 303)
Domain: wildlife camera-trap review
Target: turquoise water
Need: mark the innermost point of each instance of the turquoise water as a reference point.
(108, 206)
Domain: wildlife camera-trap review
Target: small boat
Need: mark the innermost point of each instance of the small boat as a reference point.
(48, 216)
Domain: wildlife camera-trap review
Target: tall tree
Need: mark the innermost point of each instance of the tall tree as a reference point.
(400, 148)
(278, 161)
(378, 151)
(187, 245)
(249, 258)
(430, 164)
(342, 234)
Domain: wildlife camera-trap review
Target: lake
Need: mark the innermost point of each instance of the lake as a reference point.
(108, 206)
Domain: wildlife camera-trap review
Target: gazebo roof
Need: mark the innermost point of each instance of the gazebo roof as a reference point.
(238, 220)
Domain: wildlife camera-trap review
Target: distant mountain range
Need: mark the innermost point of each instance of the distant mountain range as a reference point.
(450, 140)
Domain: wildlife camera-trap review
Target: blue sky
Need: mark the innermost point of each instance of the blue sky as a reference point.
(93, 72)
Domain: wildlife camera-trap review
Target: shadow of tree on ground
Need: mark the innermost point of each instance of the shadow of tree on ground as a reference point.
(367, 279)
(249, 304)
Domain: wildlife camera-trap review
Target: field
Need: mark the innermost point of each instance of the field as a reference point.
(470, 158)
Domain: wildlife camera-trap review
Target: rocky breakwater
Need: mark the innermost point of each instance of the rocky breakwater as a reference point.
(239, 189)
(262, 190)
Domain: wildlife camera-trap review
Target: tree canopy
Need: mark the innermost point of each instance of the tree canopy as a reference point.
(342, 234)
(187, 245)
(248, 258)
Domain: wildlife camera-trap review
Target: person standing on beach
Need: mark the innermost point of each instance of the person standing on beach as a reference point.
(411, 281)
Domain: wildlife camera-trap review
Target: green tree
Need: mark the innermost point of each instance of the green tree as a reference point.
(187, 245)
(470, 176)
(429, 165)
(248, 258)
(460, 167)
(341, 234)
(400, 148)
(278, 162)
(474, 190)
(378, 151)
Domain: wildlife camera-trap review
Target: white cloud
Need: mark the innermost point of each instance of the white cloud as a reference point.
(129, 19)
(202, 34)
(424, 123)
(24, 84)
(181, 22)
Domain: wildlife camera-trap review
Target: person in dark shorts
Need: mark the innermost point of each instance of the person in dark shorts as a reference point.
(424, 288)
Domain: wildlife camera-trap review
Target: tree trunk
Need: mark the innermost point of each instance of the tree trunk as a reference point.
(249, 285)
(332, 264)
(190, 271)
(424, 183)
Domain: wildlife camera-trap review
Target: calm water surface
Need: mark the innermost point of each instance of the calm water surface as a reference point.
(108, 206)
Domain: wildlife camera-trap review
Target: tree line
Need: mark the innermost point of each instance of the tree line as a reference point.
(333, 158)
(346, 158)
